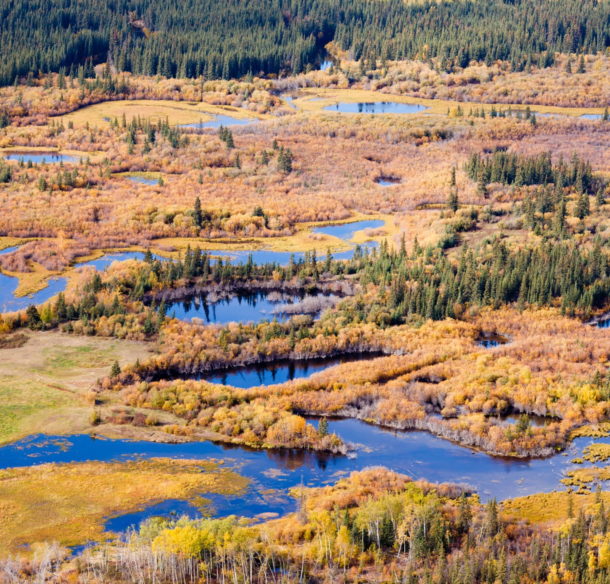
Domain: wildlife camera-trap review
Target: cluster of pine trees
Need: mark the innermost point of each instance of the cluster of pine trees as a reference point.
(226, 39)
(516, 169)
(431, 285)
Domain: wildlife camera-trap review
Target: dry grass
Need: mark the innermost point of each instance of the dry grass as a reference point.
(551, 509)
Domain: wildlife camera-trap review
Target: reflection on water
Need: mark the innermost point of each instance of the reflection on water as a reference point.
(278, 371)
(376, 107)
(8, 284)
(417, 454)
(243, 307)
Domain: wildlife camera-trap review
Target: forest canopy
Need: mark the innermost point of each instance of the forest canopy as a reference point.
(231, 39)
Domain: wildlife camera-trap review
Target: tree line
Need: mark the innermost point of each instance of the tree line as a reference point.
(224, 40)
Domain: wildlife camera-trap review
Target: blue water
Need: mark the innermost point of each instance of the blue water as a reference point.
(376, 107)
(43, 157)
(252, 307)
(591, 116)
(273, 472)
(326, 65)
(106, 260)
(143, 180)
(289, 101)
(277, 372)
(9, 302)
(221, 120)
(8, 285)
(387, 182)
(282, 258)
(11, 249)
(346, 231)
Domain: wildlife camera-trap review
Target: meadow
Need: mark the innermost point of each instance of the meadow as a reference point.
(46, 381)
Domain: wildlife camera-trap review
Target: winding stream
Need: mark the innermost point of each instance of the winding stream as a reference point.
(345, 231)
(273, 472)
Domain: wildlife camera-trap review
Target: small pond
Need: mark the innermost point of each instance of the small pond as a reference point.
(376, 107)
(591, 116)
(142, 179)
(41, 157)
(387, 181)
(221, 120)
(346, 231)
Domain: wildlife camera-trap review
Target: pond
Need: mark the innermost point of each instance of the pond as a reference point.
(376, 107)
(346, 231)
(41, 157)
(220, 120)
(10, 249)
(591, 116)
(278, 371)
(142, 179)
(247, 307)
(387, 181)
(272, 472)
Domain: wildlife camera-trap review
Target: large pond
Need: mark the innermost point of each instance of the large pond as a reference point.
(41, 157)
(376, 107)
(278, 371)
(248, 307)
(273, 472)
(221, 120)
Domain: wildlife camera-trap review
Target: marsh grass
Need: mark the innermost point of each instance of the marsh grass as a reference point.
(69, 503)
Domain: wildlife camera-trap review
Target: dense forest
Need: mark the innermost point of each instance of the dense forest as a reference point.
(272, 36)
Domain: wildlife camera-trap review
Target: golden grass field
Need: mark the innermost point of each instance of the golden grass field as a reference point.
(551, 509)
(45, 384)
(176, 112)
(69, 503)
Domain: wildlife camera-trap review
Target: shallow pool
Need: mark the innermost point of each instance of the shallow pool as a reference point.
(376, 107)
